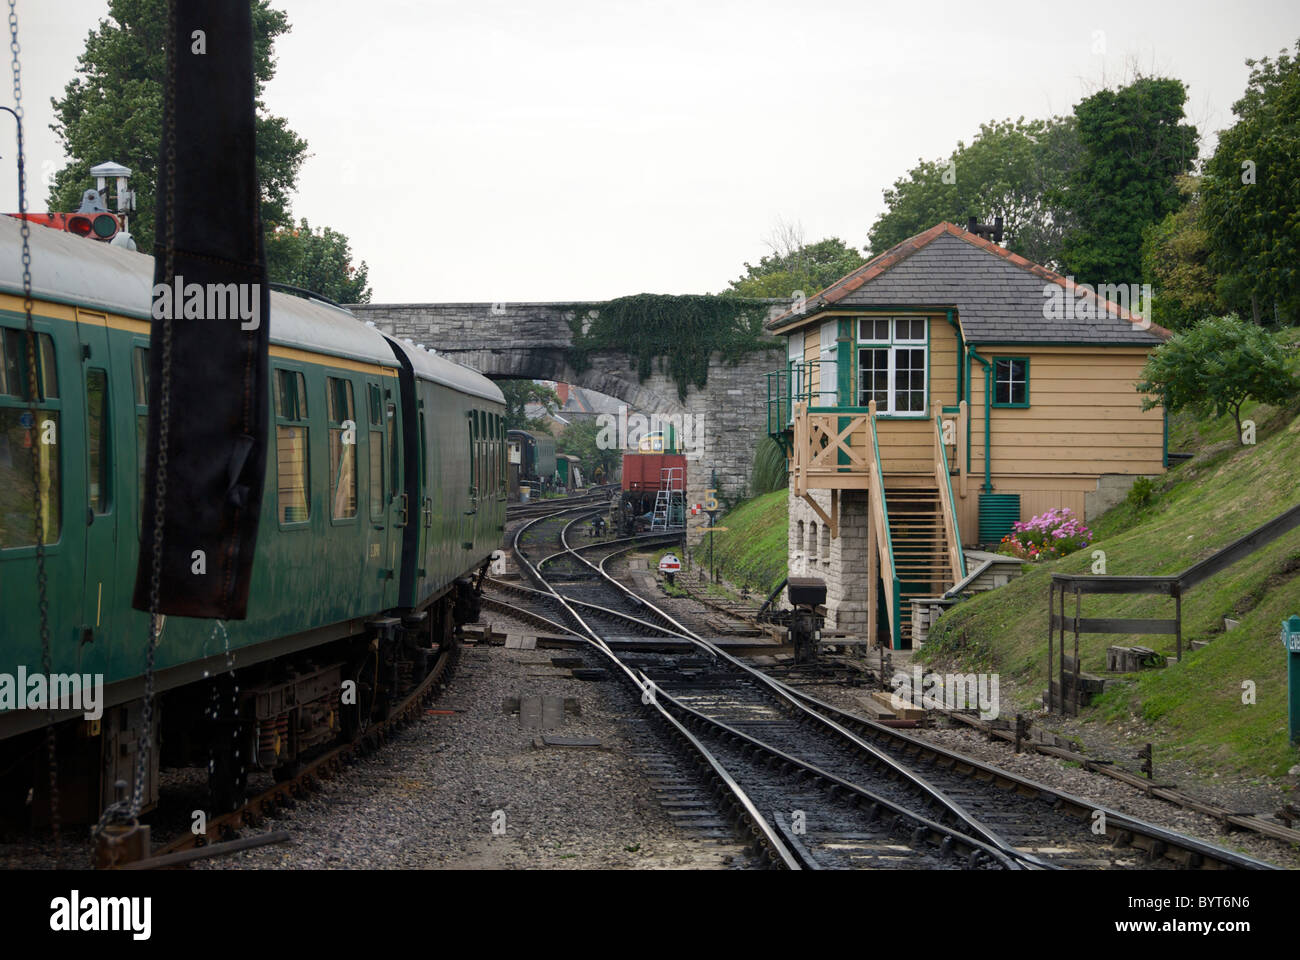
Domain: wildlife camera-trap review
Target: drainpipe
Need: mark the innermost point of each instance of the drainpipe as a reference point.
(988, 410)
(961, 350)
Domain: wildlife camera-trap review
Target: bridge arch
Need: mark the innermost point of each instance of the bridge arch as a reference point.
(534, 341)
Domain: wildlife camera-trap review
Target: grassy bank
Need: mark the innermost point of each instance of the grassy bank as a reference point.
(1194, 710)
(752, 550)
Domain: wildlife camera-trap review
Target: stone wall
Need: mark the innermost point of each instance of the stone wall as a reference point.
(533, 340)
(840, 561)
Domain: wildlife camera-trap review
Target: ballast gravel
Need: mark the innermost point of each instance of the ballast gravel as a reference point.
(471, 789)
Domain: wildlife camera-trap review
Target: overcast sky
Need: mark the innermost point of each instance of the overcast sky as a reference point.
(500, 151)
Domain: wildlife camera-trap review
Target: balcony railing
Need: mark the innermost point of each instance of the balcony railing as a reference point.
(825, 455)
(785, 388)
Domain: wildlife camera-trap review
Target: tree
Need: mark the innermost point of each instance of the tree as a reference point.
(1251, 192)
(1175, 261)
(1008, 170)
(795, 266)
(580, 439)
(318, 260)
(1215, 367)
(1133, 144)
(520, 393)
(112, 110)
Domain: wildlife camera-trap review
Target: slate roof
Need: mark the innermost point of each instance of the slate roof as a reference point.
(999, 296)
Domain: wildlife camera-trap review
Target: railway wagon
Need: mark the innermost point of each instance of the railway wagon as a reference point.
(536, 457)
(568, 471)
(385, 490)
(646, 476)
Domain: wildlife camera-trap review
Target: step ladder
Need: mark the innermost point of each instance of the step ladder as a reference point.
(671, 494)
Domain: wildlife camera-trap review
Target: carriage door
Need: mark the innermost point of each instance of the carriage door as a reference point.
(379, 548)
(98, 511)
(425, 538)
(399, 512)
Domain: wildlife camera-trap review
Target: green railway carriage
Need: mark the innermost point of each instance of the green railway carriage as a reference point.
(385, 490)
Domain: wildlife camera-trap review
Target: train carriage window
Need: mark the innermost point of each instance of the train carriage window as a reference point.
(343, 448)
(376, 412)
(291, 447)
(391, 416)
(97, 441)
(140, 369)
(473, 454)
(377, 474)
(24, 439)
(422, 453)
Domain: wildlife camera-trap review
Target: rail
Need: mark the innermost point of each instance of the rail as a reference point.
(1173, 586)
(892, 755)
(787, 387)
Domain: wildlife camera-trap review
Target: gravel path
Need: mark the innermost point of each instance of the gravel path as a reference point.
(428, 799)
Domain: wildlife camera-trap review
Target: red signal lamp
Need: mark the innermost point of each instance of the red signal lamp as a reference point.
(96, 226)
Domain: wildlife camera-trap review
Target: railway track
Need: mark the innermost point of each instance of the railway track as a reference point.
(542, 508)
(815, 785)
(221, 829)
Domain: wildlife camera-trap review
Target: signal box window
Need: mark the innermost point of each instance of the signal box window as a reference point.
(1010, 381)
(343, 449)
(291, 447)
(28, 442)
(892, 359)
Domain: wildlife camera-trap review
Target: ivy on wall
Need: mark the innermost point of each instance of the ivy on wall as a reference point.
(679, 332)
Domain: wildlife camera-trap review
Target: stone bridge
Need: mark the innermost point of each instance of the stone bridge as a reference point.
(509, 341)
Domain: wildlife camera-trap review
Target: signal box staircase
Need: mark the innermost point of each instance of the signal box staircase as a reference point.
(913, 542)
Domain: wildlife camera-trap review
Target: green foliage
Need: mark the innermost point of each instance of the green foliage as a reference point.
(580, 439)
(752, 551)
(1141, 493)
(1008, 170)
(318, 260)
(769, 469)
(1133, 145)
(806, 267)
(681, 331)
(1198, 717)
(520, 393)
(1175, 261)
(112, 110)
(1255, 235)
(1215, 367)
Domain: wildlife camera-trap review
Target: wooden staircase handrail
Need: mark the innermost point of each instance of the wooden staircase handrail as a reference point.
(943, 480)
(880, 517)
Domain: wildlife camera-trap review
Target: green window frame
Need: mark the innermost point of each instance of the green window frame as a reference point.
(1011, 382)
(21, 438)
(342, 423)
(292, 450)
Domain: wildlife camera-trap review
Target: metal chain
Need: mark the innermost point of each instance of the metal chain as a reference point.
(164, 411)
(129, 810)
(33, 386)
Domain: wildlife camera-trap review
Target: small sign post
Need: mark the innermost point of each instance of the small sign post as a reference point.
(1291, 642)
(668, 566)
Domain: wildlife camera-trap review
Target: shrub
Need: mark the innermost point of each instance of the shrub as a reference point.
(1140, 494)
(1047, 536)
